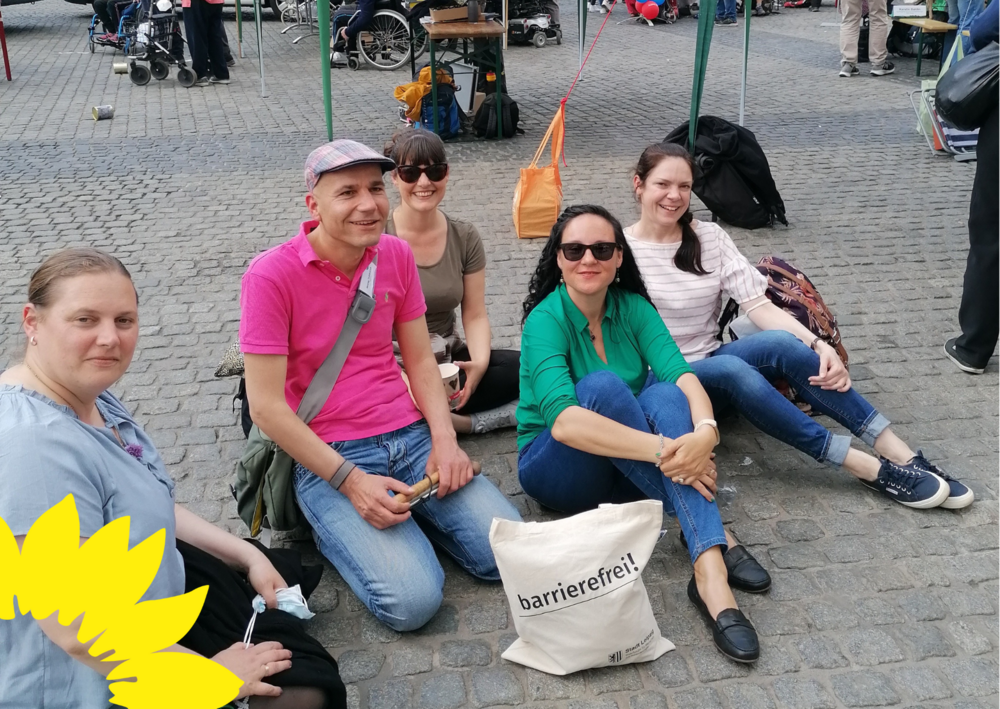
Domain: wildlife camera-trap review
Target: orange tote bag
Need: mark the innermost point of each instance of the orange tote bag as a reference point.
(538, 194)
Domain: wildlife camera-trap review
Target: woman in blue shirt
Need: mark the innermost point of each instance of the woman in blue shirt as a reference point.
(595, 425)
(64, 433)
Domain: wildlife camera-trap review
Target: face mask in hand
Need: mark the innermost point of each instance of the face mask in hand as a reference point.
(290, 600)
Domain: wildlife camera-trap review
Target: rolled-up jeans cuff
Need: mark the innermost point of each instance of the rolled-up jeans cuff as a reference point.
(706, 544)
(837, 449)
(873, 428)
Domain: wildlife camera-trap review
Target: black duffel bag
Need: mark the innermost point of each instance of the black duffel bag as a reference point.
(967, 92)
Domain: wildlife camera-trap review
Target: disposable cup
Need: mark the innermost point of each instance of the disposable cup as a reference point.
(449, 376)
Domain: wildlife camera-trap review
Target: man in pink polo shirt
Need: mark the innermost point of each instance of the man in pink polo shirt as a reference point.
(369, 439)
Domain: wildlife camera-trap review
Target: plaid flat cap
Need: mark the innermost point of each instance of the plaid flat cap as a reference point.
(341, 154)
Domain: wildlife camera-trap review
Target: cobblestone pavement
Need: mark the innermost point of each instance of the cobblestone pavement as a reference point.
(872, 604)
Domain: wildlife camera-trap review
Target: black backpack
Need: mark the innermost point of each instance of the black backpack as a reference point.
(734, 179)
(904, 41)
(485, 122)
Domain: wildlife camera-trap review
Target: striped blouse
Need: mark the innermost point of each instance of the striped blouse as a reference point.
(689, 304)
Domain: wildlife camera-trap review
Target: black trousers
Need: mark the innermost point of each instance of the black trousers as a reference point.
(979, 314)
(206, 39)
(498, 386)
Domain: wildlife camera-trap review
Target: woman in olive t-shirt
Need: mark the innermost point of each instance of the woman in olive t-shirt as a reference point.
(452, 266)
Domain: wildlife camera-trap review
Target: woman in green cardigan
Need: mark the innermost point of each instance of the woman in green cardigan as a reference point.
(610, 411)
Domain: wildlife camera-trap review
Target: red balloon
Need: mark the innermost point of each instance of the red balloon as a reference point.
(650, 10)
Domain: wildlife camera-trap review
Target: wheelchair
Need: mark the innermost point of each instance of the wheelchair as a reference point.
(385, 43)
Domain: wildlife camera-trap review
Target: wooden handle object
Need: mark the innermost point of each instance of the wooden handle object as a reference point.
(430, 481)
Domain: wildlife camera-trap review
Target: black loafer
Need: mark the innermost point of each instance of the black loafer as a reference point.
(745, 572)
(733, 633)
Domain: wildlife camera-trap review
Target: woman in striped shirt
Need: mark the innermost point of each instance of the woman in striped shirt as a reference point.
(691, 268)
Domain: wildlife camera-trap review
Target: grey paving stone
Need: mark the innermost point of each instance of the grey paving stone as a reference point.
(543, 686)
(878, 611)
(486, 616)
(778, 619)
(353, 697)
(711, 665)
(864, 689)
(670, 670)
(444, 622)
(975, 677)
(446, 691)
(921, 605)
(601, 703)
(496, 687)
(969, 639)
(358, 665)
(796, 556)
(776, 659)
(394, 694)
(826, 616)
(821, 653)
(920, 682)
(870, 646)
(699, 698)
(925, 640)
(648, 700)
(798, 530)
(410, 660)
(796, 693)
(462, 653)
(746, 695)
(613, 679)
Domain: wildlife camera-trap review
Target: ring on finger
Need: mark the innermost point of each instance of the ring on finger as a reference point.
(267, 669)
(680, 480)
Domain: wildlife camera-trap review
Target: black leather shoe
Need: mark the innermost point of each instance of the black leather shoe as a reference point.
(745, 572)
(733, 633)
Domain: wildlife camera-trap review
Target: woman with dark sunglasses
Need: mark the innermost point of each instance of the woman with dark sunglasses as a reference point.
(452, 265)
(611, 412)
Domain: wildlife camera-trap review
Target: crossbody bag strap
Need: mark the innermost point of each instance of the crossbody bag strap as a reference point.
(360, 312)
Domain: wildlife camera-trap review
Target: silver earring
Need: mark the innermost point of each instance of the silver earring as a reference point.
(561, 279)
(32, 340)
(617, 279)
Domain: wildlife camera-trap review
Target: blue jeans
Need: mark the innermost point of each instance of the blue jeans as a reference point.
(394, 571)
(570, 480)
(963, 13)
(725, 8)
(738, 376)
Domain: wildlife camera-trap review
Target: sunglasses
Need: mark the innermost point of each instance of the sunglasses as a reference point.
(602, 250)
(412, 173)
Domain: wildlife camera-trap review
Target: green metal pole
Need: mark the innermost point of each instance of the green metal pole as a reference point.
(706, 22)
(239, 28)
(260, 46)
(323, 18)
(746, 56)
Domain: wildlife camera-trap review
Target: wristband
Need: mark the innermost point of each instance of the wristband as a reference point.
(713, 424)
(814, 342)
(341, 475)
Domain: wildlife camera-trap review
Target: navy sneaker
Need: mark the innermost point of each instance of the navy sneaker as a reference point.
(909, 485)
(959, 495)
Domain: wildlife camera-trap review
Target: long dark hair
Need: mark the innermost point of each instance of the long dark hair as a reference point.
(688, 256)
(546, 276)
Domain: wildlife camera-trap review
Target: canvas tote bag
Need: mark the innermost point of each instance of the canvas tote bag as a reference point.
(538, 194)
(575, 588)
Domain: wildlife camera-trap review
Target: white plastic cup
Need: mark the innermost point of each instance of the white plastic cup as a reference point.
(452, 388)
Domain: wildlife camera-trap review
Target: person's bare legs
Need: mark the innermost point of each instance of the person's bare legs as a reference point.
(712, 579)
(888, 445)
